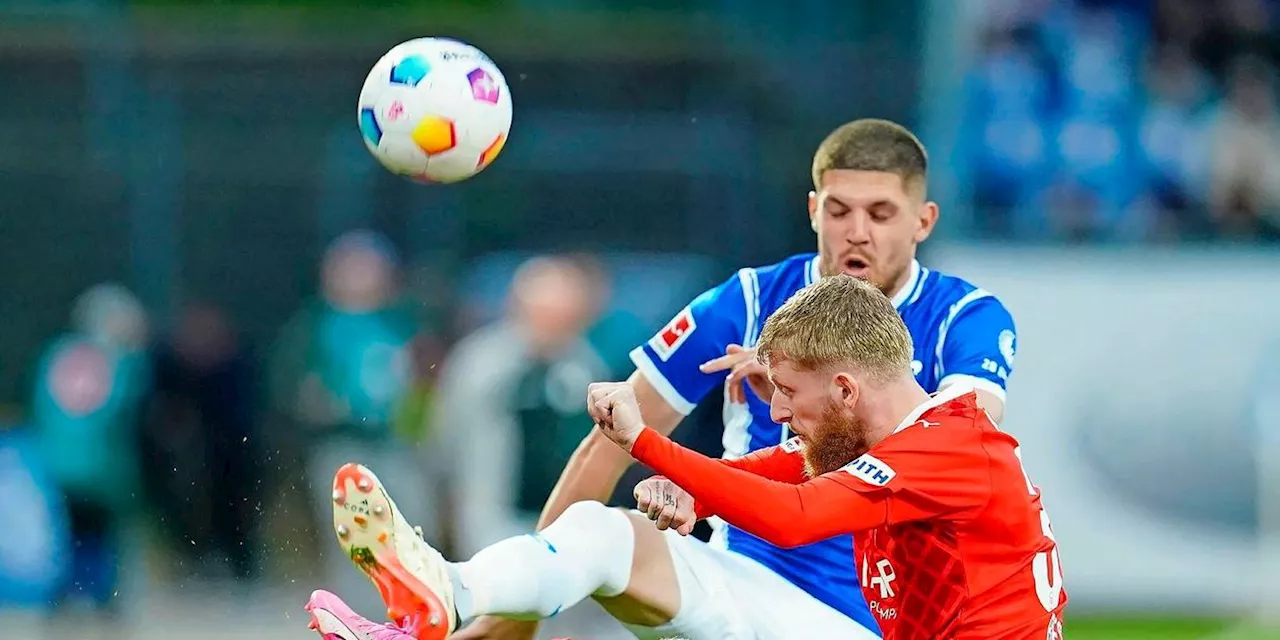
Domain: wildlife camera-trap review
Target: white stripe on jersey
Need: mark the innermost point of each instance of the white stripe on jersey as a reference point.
(909, 287)
(924, 276)
(737, 422)
(966, 381)
(737, 417)
(660, 383)
(751, 297)
(972, 296)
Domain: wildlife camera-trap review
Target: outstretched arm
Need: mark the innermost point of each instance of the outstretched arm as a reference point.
(783, 463)
(796, 514)
(596, 466)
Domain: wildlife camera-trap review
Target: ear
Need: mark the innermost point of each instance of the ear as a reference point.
(928, 220)
(813, 210)
(847, 391)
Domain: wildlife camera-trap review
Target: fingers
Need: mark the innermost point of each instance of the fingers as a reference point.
(750, 372)
(666, 505)
(644, 496)
(686, 528)
(594, 394)
(601, 398)
(654, 508)
(672, 516)
(733, 355)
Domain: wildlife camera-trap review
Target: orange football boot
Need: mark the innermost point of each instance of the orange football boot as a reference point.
(410, 575)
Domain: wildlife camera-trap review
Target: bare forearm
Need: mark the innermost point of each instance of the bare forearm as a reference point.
(591, 474)
(595, 468)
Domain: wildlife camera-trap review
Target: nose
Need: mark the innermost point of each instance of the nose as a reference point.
(779, 412)
(859, 228)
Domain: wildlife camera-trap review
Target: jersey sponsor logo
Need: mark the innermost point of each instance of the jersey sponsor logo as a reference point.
(1055, 628)
(870, 470)
(1005, 342)
(880, 577)
(674, 334)
(990, 366)
(792, 445)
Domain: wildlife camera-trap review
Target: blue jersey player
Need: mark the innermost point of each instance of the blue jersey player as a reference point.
(870, 211)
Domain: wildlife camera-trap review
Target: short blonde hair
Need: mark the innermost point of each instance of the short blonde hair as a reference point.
(839, 321)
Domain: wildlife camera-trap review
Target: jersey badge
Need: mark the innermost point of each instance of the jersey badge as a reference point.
(674, 334)
(870, 470)
(1006, 347)
(792, 445)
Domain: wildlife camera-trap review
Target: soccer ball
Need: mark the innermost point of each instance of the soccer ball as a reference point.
(435, 110)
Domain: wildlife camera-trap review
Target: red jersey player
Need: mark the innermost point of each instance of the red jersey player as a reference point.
(951, 538)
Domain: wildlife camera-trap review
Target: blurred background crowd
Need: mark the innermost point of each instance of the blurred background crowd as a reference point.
(213, 297)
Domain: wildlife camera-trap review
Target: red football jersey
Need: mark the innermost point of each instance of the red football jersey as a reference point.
(967, 550)
(951, 539)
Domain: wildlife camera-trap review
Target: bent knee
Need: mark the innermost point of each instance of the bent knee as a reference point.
(594, 515)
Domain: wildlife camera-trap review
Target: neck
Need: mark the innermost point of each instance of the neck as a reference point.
(890, 406)
(896, 287)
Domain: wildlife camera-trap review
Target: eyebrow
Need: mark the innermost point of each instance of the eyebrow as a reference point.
(838, 201)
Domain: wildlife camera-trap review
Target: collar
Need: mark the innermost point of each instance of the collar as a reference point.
(908, 290)
(938, 399)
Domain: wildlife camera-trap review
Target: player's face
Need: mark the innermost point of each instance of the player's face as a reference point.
(818, 407)
(868, 225)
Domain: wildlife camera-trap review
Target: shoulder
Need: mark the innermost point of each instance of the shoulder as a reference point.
(750, 288)
(800, 264)
(952, 301)
(949, 424)
(955, 293)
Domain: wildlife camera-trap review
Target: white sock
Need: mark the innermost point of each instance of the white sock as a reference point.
(586, 551)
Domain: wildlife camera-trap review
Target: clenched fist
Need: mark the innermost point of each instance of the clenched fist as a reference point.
(666, 504)
(614, 409)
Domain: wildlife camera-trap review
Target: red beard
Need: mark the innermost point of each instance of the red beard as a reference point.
(834, 442)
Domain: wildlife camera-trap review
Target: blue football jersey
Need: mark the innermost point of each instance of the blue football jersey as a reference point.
(962, 335)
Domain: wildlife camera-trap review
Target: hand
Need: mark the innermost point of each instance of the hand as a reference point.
(614, 409)
(495, 628)
(666, 504)
(743, 367)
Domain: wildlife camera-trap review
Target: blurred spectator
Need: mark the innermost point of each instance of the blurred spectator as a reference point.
(344, 370)
(35, 549)
(89, 388)
(615, 331)
(200, 440)
(1172, 141)
(1009, 95)
(1067, 141)
(511, 403)
(1244, 192)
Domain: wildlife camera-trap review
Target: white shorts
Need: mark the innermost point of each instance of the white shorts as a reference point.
(728, 596)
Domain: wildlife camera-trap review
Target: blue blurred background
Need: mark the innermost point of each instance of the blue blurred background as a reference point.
(212, 295)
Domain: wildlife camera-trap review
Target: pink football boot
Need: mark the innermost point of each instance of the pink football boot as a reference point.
(334, 620)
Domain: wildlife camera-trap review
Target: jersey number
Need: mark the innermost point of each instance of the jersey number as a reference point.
(1046, 568)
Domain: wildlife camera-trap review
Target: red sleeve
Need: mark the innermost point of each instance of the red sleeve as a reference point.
(797, 514)
(783, 463)
(891, 486)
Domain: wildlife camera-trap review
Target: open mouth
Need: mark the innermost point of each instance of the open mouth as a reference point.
(856, 266)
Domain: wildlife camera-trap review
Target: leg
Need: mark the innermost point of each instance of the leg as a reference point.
(591, 550)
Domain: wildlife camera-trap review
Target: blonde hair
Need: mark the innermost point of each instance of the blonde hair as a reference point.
(839, 321)
(871, 144)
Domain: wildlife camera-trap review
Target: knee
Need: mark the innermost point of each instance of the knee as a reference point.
(592, 515)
